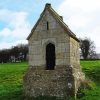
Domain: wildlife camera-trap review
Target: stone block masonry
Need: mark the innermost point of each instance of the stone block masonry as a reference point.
(54, 62)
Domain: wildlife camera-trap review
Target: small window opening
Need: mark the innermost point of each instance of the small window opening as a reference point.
(47, 25)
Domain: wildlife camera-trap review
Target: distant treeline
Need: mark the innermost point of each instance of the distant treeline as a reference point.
(17, 53)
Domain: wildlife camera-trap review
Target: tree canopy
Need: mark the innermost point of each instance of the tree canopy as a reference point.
(16, 53)
(87, 48)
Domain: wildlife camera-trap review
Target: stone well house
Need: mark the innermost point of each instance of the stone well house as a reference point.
(54, 60)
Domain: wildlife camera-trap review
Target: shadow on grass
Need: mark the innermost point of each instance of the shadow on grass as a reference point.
(18, 95)
(49, 98)
(13, 95)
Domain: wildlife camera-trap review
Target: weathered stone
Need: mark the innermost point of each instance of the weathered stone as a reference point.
(51, 38)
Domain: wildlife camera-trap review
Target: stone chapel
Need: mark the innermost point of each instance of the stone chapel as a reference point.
(54, 58)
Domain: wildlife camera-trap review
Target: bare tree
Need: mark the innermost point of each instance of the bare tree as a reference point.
(87, 48)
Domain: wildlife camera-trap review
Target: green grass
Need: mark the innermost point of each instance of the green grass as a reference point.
(92, 69)
(92, 72)
(11, 76)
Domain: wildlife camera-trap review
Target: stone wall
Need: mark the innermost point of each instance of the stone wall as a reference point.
(74, 52)
(41, 37)
(40, 82)
(65, 79)
(75, 62)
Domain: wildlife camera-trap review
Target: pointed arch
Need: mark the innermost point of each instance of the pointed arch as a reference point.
(50, 56)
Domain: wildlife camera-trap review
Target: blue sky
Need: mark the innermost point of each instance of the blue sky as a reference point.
(17, 17)
(11, 14)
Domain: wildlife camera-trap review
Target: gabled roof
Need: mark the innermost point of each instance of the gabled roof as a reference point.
(58, 18)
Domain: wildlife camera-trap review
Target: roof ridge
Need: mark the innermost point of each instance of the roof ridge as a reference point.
(62, 21)
(57, 16)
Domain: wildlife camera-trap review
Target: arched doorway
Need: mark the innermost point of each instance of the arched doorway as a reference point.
(50, 56)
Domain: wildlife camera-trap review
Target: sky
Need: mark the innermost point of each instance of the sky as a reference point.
(17, 18)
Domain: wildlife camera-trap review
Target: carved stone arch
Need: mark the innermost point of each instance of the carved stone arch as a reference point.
(50, 41)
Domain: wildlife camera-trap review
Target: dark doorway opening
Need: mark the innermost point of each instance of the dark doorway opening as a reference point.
(50, 56)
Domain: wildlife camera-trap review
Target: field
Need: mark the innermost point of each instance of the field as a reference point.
(11, 76)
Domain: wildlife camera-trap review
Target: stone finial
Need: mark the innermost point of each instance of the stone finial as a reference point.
(61, 17)
(48, 5)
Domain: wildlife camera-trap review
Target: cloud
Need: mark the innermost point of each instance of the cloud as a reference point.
(7, 45)
(5, 32)
(17, 25)
(16, 29)
(82, 16)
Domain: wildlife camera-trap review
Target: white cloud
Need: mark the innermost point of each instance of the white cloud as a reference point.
(7, 45)
(17, 24)
(21, 42)
(5, 32)
(82, 16)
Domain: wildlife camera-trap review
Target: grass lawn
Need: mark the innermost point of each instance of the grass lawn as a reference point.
(92, 72)
(11, 76)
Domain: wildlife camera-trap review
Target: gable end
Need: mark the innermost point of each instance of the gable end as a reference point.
(59, 20)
